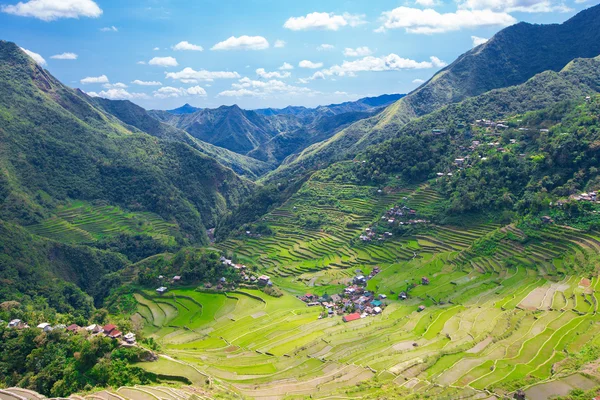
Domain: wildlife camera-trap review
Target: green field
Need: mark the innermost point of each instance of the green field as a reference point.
(494, 320)
(80, 222)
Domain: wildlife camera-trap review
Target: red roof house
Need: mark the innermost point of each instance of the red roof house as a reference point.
(351, 317)
(115, 334)
(73, 328)
(109, 328)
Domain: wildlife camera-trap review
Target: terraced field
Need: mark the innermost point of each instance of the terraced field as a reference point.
(83, 222)
(495, 320)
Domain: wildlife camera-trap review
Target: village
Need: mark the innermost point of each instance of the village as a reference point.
(111, 331)
(355, 302)
(399, 215)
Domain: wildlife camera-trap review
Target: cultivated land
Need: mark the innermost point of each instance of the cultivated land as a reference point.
(495, 320)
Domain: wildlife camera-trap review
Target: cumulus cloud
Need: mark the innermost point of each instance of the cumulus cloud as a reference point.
(279, 44)
(146, 83)
(323, 20)
(186, 46)
(94, 79)
(358, 52)
(243, 43)
(118, 85)
(169, 91)
(429, 21)
(272, 88)
(50, 10)
(478, 40)
(391, 62)
(528, 6)
(286, 67)
(426, 3)
(310, 64)
(325, 47)
(109, 29)
(188, 75)
(65, 56)
(35, 56)
(118, 94)
(164, 62)
(270, 75)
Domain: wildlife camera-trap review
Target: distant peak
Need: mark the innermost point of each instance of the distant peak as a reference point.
(184, 109)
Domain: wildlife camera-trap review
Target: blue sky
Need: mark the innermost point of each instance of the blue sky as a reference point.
(258, 53)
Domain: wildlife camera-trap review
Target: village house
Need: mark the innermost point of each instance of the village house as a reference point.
(129, 338)
(108, 328)
(161, 290)
(351, 317)
(424, 280)
(176, 278)
(94, 329)
(264, 280)
(46, 327)
(421, 308)
(359, 280)
(115, 334)
(17, 324)
(73, 328)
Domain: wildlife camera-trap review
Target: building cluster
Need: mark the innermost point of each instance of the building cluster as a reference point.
(591, 196)
(354, 301)
(247, 276)
(109, 330)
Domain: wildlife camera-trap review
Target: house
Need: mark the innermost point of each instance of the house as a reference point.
(74, 328)
(424, 280)
(359, 280)
(109, 328)
(130, 338)
(46, 327)
(402, 296)
(176, 278)
(336, 298)
(115, 334)
(376, 303)
(377, 310)
(161, 290)
(93, 329)
(351, 317)
(382, 297)
(17, 324)
(421, 308)
(263, 280)
(547, 220)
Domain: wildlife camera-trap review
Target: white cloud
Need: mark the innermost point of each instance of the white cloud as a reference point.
(164, 62)
(528, 6)
(118, 94)
(169, 91)
(186, 46)
(94, 79)
(50, 10)
(270, 75)
(286, 67)
(279, 44)
(141, 62)
(326, 21)
(118, 85)
(429, 21)
(146, 83)
(310, 64)
(426, 3)
(391, 62)
(358, 52)
(418, 81)
(325, 47)
(272, 88)
(65, 56)
(35, 56)
(109, 29)
(478, 40)
(156, 49)
(242, 43)
(188, 75)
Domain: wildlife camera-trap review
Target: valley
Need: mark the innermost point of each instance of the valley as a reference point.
(443, 243)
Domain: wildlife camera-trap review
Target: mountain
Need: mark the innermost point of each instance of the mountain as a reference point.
(511, 57)
(138, 118)
(59, 146)
(184, 109)
(271, 135)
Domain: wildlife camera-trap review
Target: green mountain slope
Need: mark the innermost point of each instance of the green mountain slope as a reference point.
(511, 57)
(57, 146)
(138, 118)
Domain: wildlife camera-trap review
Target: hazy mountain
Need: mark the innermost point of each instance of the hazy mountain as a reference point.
(184, 109)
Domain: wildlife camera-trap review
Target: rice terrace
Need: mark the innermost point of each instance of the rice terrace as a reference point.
(501, 309)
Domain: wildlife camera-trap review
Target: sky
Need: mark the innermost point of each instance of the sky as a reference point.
(162, 54)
